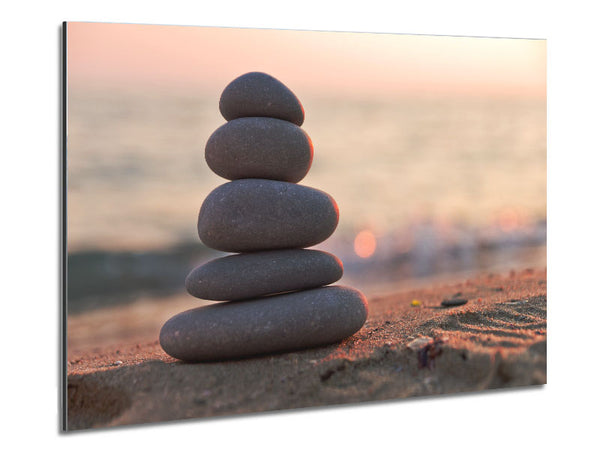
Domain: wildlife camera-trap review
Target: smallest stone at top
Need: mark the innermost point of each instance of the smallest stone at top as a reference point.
(257, 94)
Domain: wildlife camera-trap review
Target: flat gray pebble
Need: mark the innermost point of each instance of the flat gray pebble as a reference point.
(454, 301)
(254, 214)
(259, 147)
(257, 94)
(278, 323)
(249, 275)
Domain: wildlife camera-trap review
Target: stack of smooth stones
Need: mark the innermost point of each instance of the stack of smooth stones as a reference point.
(273, 291)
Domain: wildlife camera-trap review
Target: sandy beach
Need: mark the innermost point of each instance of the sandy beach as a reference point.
(410, 346)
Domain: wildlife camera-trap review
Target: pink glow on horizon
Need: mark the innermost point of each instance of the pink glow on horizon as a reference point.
(199, 58)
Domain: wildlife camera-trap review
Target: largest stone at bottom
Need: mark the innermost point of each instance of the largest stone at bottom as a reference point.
(278, 323)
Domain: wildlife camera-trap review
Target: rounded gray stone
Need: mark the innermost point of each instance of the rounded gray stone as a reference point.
(257, 94)
(254, 214)
(279, 323)
(259, 147)
(455, 301)
(249, 275)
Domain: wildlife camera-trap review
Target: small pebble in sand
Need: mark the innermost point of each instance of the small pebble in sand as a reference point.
(449, 302)
(515, 302)
(427, 354)
(419, 343)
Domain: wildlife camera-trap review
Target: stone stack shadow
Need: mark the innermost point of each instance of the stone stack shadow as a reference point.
(273, 292)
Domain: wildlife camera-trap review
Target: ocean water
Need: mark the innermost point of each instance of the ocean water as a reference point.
(137, 175)
(427, 188)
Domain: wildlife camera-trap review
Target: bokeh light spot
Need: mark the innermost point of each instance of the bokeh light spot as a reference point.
(365, 244)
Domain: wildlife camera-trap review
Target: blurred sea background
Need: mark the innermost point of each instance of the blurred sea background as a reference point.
(431, 184)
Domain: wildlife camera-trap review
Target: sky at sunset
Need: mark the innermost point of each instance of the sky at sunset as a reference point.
(199, 59)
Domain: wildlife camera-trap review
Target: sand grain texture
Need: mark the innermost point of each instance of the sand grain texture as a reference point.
(497, 339)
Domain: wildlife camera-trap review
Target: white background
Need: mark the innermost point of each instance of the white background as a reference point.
(565, 412)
